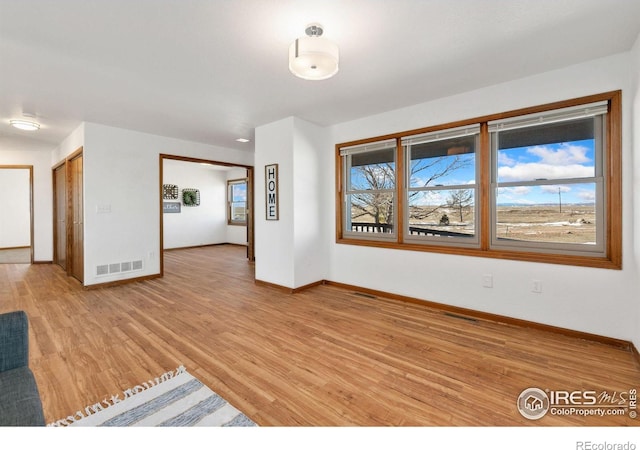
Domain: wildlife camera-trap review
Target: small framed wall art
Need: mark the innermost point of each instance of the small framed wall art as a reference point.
(170, 191)
(191, 197)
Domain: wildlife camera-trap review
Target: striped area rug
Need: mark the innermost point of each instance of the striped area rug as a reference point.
(175, 399)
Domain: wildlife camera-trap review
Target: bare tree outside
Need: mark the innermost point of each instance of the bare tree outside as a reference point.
(460, 200)
(433, 169)
(381, 176)
(436, 168)
(379, 205)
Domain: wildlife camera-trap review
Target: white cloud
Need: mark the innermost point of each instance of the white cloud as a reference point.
(516, 194)
(534, 171)
(567, 161)
(504, 160)
(587, 196)
(520, 190)
(554, 189)
(567, 154)
(430, 198)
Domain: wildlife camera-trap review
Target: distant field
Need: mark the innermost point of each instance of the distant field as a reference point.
(575, 224)
(540, 223)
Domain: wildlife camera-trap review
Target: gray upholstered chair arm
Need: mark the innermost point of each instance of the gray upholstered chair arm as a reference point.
(14, 340)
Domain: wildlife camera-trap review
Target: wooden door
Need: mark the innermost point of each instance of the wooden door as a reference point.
(75, 245)
(60, 216)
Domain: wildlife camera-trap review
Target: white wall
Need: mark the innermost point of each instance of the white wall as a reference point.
(200, 225)
(635, 191)
(15, 219)
(274, 246)
(292, 251)
(70, 144)
(310, 190)
(40, 158)
(598, 301)
(121, 173)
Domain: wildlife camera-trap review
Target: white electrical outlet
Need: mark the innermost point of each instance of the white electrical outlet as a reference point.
(487, 281)
(103, 209)
(536, 286)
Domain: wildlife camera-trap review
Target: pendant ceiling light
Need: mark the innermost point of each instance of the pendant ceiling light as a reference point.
(313, 57)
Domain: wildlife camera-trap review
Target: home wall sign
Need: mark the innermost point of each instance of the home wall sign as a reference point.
(271, 191)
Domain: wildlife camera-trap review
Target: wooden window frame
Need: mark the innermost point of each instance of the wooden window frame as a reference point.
(230, 220)
(393, 191)
(612, 155)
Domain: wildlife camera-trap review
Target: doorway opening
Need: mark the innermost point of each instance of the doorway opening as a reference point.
(205, 202)
(16, 220)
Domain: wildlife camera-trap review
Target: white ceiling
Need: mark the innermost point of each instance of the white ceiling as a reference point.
(212, 70)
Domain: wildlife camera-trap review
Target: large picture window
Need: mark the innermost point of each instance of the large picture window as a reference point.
(537, 184)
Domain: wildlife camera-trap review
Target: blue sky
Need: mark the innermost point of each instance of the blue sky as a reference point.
(553, 161)
(240, 192)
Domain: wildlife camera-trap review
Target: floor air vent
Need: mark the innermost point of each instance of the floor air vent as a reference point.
(127, 266)
(456, 316)
(362, 294)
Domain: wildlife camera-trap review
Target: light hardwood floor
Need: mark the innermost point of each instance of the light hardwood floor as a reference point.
(325, 356)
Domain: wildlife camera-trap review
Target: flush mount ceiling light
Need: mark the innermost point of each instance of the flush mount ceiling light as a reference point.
(26, 125)
(313, 57)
